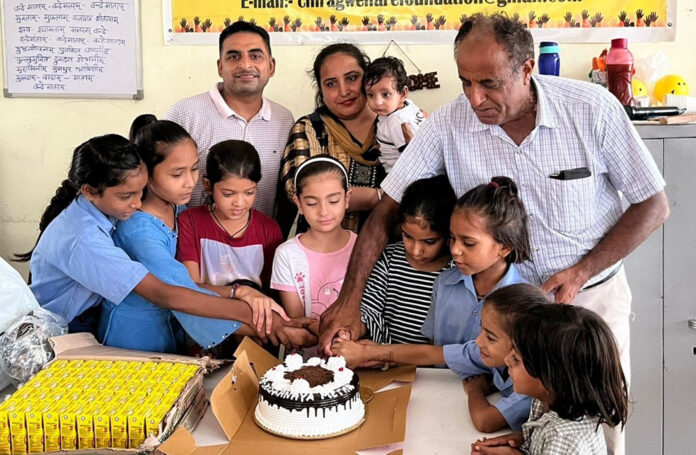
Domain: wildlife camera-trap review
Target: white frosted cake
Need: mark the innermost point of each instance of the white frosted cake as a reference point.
(319, 398)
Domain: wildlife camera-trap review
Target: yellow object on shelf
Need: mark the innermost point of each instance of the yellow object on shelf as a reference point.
(638, 88)
(673, 84)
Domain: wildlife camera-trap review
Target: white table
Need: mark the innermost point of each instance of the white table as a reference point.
(437, 421)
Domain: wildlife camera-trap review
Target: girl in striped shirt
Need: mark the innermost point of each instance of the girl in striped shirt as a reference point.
(397, 294)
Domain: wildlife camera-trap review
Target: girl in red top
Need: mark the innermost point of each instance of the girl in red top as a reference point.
(228, 241)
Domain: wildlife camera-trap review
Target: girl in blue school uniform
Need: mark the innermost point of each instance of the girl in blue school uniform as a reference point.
(566, 358)
(488, 235)
(75, 263)
(150, 237)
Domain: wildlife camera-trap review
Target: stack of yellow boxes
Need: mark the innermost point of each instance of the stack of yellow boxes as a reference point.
(91, 404)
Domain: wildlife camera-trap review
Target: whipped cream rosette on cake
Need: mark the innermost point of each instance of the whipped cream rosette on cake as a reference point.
(316, 399)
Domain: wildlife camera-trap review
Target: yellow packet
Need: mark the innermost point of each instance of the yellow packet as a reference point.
(51, 422)
(18, 432)
(152, 422)
(5, 446)
(102, 430)
(51, 425)
(68, 430)
(119, 430)
(136, 428)
(35, 433)
(85, 428)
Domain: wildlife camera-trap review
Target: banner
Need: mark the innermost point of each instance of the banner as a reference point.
(418, 21)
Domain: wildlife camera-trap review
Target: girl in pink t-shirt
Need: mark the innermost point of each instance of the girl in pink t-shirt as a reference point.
(309, 269)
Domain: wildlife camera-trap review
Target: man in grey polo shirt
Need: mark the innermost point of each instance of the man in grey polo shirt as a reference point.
(236, 109)
(571, 149)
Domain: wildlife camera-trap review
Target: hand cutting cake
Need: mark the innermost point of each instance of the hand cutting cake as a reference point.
(316, 399)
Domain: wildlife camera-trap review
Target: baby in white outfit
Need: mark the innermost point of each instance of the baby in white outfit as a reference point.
(398, 118)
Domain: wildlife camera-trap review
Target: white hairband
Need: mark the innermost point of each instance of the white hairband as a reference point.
(317, 159)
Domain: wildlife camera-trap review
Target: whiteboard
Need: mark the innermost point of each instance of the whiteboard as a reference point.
(72, 49)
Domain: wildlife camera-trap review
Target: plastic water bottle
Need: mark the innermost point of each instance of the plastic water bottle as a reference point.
(620, 71)
(549, 60)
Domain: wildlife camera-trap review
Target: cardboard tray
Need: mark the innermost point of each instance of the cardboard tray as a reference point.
(234, 399)
(188, 409)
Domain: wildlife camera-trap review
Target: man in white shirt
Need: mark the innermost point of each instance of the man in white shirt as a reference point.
(236, 109)
(571, 149)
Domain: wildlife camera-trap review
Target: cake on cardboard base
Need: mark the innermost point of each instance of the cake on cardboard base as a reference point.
(317, 399)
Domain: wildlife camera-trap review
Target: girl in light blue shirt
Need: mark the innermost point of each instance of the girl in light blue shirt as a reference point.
(150, 237)
(75, 263)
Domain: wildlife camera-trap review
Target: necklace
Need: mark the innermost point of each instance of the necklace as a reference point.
(231, 234)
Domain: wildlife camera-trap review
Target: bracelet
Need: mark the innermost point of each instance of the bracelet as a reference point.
(379, 195)
(233, 289)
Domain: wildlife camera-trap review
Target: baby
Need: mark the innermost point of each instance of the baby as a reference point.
(386, 86)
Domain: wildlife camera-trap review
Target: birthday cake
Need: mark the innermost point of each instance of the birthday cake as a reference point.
(316, 399)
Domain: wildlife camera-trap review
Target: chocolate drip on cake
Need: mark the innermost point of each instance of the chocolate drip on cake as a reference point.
(315, 375)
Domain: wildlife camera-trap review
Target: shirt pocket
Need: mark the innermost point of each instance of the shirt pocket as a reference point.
(570, 204)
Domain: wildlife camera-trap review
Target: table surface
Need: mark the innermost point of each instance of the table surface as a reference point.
(437, 420)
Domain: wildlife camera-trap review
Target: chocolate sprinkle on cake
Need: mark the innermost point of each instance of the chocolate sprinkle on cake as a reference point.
(315, 375)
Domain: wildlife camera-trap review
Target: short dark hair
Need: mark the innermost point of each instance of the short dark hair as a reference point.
(389, 67)
(232, 158)
(573, 353)
(244, 27)
(336, 48)
(511, 301)
(512, 35)
(499, 204)
(431, 199)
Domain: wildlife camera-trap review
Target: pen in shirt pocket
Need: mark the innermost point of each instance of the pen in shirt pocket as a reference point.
(571, 174)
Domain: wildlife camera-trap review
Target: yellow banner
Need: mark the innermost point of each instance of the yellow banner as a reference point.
(371, 17)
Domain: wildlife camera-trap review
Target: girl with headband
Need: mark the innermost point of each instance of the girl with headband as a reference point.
(308, 270)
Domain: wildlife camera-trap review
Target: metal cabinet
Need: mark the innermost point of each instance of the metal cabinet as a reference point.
(663, 346)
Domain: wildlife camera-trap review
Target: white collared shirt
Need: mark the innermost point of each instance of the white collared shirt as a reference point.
(209, 120)
(578, 125)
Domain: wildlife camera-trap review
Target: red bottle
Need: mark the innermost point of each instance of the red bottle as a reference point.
(620, 70)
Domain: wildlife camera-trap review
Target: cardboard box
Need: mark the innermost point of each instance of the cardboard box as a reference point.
(188, 408)
(234, 399)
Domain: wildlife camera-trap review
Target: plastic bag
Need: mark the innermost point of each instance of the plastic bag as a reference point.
(24, 347)
(651, 68)
(16, 298)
